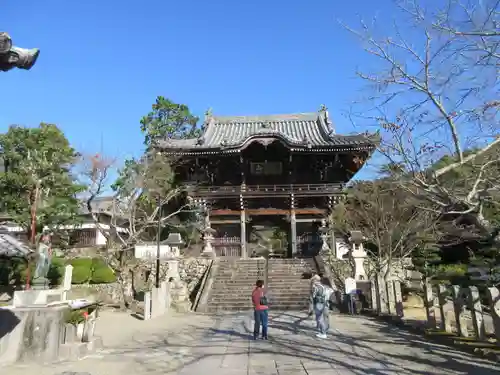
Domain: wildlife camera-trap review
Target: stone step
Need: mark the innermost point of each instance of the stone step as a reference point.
(216, 309)
(272, 301)
(235, 282)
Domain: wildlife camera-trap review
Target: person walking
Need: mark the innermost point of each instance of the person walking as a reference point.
(260, 312)
(315, 279)
(329, 291)
(322, 293)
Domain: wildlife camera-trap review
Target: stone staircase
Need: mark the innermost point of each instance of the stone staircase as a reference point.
(233, 283)
(288, 289)
(234, 280)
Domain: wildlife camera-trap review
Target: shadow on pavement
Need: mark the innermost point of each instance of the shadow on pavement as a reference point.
(362, 346)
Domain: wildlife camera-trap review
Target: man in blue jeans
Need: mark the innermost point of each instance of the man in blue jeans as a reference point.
(260, 311)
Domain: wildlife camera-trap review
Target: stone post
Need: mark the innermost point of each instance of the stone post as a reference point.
(68, 276)
(477, 312)
(458, 307)
(442, 294)
(391, 300)
(147, 305)
(429, 304)
(398, 298)
(374, 296)
(382, 295)
(494, 297)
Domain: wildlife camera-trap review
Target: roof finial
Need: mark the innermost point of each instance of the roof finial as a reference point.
(208, 113)
(323, 108)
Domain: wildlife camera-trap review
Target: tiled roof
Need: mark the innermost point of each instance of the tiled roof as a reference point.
(10, 247)
(299, 131)
(101, 205)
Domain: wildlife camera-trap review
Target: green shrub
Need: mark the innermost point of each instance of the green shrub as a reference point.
(13, 272)
(56, 271)
(81, 270)
(103, 275)
(91, 270)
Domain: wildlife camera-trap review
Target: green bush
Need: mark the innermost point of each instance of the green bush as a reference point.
(81, 270)
(91, 270)
(56, 271)
(103, 275)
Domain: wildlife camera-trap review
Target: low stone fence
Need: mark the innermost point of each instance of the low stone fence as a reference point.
(191, 271)
(450, 309)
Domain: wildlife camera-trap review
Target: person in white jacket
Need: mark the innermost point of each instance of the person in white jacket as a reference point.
(322, 294)
(315, 279)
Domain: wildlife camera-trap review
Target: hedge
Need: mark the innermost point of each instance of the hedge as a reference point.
(85, 271)
(91, 271)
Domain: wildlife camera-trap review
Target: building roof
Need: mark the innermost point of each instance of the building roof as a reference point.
(300, 131)
(11, 248)
(100, 205)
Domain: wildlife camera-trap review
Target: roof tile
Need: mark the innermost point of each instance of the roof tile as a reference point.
(300, 130)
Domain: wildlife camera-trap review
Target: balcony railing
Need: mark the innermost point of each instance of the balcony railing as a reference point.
(263, 190)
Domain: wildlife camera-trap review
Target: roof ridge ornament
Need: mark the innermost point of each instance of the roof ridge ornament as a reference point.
(306, 141)
(265, 125)
(323, 110)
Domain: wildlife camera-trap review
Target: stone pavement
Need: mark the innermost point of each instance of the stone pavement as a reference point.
(202, 344)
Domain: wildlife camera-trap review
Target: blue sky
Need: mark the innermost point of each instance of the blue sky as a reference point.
(103, 63)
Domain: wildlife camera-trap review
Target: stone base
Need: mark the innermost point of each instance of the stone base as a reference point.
(182, 307)
(40, 283)
(77, 351)
(208, 254)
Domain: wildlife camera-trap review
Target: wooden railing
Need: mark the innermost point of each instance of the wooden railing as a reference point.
(227, 246)
(266, 189)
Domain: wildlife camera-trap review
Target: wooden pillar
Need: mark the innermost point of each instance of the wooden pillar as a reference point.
(243, 228)
(333, 242)
(242, 169)
(293, 225)
(290, 169)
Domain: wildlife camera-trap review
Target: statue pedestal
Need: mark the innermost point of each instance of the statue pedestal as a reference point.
(40, 283)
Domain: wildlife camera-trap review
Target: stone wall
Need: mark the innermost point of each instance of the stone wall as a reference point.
(191, 271)
(30, 334)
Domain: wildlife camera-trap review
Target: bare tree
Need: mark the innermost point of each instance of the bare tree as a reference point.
(391, 224)
(435, 96)
(145, 196)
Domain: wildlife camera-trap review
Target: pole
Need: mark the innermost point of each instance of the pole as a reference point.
(158, 245)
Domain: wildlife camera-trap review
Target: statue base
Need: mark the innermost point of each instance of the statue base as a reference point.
(40, 283)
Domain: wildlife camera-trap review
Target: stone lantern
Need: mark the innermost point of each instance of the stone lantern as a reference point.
(173, 241)
(358, 254)
(208, 238)
(323, 230)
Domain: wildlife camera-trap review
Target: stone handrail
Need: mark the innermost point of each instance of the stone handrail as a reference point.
(205, 287)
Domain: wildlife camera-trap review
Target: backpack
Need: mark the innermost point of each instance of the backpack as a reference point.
(263, 300)
(320, 295)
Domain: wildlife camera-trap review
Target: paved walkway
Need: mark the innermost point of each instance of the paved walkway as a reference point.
(219, 345)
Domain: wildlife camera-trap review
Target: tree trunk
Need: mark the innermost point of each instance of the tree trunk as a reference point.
(124, 300)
